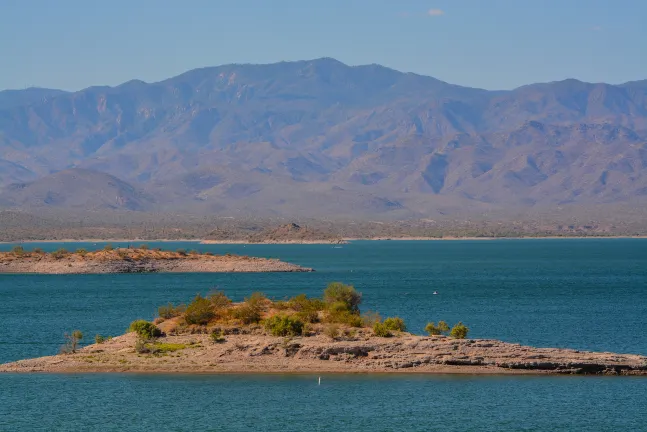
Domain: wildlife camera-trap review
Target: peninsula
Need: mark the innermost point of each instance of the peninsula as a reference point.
(135, 260)
(309, 335)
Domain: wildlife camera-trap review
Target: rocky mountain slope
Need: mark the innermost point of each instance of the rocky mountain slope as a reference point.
(319, 138)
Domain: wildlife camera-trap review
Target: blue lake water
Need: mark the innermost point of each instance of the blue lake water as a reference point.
(585, 294)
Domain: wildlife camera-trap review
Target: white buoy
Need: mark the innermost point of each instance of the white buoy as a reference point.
(319, 380)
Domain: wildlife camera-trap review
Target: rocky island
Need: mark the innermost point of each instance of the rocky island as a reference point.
(309, 335)
(135, 260)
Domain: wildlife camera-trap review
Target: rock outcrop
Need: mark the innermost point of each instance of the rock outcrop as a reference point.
(249, 350)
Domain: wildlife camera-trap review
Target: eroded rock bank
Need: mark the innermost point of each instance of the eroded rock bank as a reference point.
(136, 260)
(249, 350)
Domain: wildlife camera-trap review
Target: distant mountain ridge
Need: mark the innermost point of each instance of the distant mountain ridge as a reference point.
(320, 138)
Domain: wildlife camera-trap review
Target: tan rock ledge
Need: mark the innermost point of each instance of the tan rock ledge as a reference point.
(251, 351)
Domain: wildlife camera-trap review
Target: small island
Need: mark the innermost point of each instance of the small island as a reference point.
(212, 334)
(135, 260)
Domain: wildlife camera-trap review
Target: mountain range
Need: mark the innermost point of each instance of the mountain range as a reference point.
(319, 138)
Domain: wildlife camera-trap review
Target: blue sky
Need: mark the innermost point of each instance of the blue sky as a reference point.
(493, 44)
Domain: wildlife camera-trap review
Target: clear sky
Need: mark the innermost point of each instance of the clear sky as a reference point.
(493, 44)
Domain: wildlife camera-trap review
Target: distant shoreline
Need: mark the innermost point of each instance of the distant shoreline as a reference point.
(327, 242)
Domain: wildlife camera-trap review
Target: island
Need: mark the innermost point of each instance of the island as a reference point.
(212, 334)
(135, 260)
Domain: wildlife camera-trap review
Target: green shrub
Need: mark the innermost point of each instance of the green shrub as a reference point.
(171, 311)
(395, 324)
(459, 331)
(108, 247)
(257, 300)
(143, 246)
(38, 250)
(339, 293)
(250, 311)
(247, 313)
(181, 252)
(145, 329)
(162, 348)
(208, 253)
(219, 300)
(433, 330)
(18, 250)
(98, 339)
(380, 330)
(302, 303)
(81, 251)
(216, 336)
(199, 311)
(343, 316)
(307, 309)
(284, 325)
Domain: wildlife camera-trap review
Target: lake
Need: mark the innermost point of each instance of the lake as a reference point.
(582, 293)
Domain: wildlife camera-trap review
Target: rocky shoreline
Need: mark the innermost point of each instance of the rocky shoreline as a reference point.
(251, 351)
(137, 261)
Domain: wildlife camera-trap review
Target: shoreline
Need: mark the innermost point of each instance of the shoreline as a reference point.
(252, 352)
(345, 240)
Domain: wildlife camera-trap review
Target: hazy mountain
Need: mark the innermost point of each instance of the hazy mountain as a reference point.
(28, 96)
(320, 138)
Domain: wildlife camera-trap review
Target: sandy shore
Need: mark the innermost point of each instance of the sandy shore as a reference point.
(255, 352)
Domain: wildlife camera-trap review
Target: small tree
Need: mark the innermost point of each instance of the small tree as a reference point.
(72, 342)
(18, 250)
(339, 293)
(459, 331)
(81, 251)
(108, 247)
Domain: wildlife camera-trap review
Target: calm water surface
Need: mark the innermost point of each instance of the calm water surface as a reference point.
(586, 294)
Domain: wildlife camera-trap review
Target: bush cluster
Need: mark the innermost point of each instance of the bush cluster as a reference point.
(395, 324)
(284, 325)
(145, 329)
(250, 311)
(307, 309)
(438, 329)
(199, 311)
(459, 331)
(380, 330)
